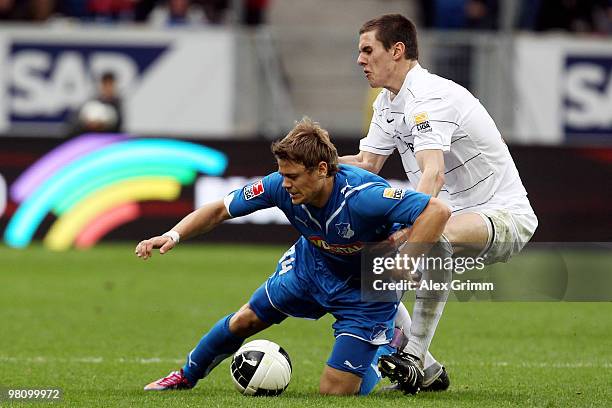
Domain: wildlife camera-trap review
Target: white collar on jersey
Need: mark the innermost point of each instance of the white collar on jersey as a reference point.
(412, 76)
(409, 82)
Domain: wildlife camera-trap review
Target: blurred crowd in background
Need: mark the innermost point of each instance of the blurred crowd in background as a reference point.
(168, 12)
(586, 16)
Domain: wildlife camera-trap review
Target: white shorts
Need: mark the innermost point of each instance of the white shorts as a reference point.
(508, 233)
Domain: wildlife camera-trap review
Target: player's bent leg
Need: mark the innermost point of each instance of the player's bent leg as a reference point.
(223, 340)
(349, 367)
(469, 233)
(494, 234)
(373, 376)
(509, 234)
(246, 323)
(216, 345)
(337, 382)
(402, 323)
(226, 339)
(406, 366)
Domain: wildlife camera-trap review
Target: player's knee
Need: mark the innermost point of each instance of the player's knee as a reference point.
(245, 322)
(336, 382)
(441, 208)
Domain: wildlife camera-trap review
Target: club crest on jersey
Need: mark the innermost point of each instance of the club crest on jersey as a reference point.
(253, 190)
(393, 193)
(422, 122)
(344, 230)
(379, 332)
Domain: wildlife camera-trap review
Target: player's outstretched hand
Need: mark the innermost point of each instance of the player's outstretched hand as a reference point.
(144, 249)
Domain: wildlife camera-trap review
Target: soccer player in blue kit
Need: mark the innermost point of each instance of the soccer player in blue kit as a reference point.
(336, 209)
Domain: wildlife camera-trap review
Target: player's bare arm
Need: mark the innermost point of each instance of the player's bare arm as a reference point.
(197, 222)
(431, 163)
(426, 230)
(368, 161)
(428, 226)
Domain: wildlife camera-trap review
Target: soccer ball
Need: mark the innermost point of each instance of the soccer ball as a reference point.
(96, 113)
(261, 367)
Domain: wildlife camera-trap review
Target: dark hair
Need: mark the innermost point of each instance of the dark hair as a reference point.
(391, 29)
(107, 76)
(309, 144)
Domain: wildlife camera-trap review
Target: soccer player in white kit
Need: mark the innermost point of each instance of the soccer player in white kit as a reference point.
(450, 148)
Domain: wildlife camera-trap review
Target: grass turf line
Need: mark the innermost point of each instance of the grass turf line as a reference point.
(100, 324)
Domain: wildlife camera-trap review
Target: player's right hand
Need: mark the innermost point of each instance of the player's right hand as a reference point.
(144, 249)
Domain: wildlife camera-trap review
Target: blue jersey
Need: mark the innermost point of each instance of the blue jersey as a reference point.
(362, 208)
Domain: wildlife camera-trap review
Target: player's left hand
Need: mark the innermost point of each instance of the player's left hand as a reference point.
(144, 249)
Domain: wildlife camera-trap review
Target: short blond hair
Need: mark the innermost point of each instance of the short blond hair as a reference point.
(308, 144)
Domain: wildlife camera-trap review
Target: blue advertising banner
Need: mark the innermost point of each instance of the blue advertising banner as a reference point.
(48, 81)
(172, 82)
(587, 102)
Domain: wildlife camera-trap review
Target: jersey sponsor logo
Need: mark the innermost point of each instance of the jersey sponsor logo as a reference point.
(422, 122)
(253, 190)
(393, 193)
(344, 230)
(337, 249)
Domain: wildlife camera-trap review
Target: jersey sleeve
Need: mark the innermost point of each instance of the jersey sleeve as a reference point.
(264, 193)
(377, 141)
(433, 122)
(391, 204)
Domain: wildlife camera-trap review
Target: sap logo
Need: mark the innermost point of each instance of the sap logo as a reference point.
(588, 94)
(48, 81)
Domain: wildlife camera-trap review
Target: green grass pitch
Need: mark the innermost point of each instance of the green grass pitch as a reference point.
(101, 324)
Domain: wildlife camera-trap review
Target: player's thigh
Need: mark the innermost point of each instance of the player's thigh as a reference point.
(368, 321)
(510, 233)
(286, 293)
(349, 361)
(468, 233)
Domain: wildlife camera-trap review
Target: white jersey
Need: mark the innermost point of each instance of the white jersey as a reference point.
(431, 112)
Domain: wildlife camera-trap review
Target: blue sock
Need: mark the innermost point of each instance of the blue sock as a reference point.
(372, 376)
(216, 345)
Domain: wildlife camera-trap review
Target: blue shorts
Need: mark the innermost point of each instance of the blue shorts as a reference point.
(303, 286)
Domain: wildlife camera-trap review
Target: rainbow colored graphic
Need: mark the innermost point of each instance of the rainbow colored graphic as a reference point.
(93, 184)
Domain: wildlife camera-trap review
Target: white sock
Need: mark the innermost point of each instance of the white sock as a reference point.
(428, 306)
(403, 321)
(427, 312)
